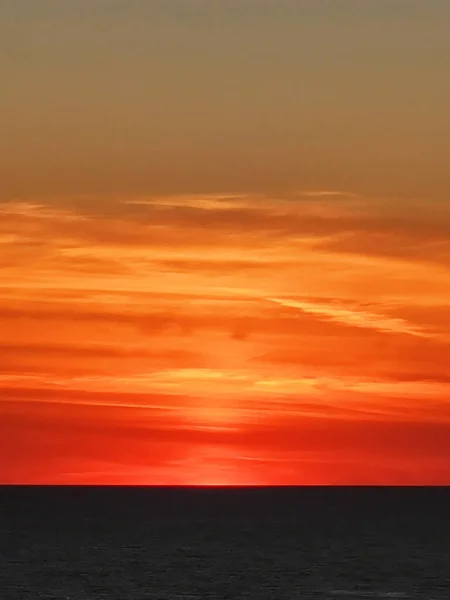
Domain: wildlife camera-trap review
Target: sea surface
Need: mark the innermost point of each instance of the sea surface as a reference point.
(130, 543)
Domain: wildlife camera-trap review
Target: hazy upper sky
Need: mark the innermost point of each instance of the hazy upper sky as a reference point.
(201, 95)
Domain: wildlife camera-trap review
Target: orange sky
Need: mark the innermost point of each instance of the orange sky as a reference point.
(225, 241)
(297, 338)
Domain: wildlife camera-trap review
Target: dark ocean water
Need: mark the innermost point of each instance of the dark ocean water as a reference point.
(178, 543)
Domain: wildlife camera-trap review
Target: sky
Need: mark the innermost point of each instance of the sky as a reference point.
(225, 242)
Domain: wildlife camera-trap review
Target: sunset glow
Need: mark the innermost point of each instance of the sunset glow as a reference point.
(293, 330)
(214, 340)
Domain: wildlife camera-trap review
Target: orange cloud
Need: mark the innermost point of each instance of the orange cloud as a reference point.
(248, 317)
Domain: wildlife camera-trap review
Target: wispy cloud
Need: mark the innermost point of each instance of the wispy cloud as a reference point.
(353, 317)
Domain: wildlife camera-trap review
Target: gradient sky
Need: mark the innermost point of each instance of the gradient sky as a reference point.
(225, 241)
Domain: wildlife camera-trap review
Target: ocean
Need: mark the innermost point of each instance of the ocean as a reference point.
(145, 543)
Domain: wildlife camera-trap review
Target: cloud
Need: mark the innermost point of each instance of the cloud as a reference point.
(221, 319)
(353, 317)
